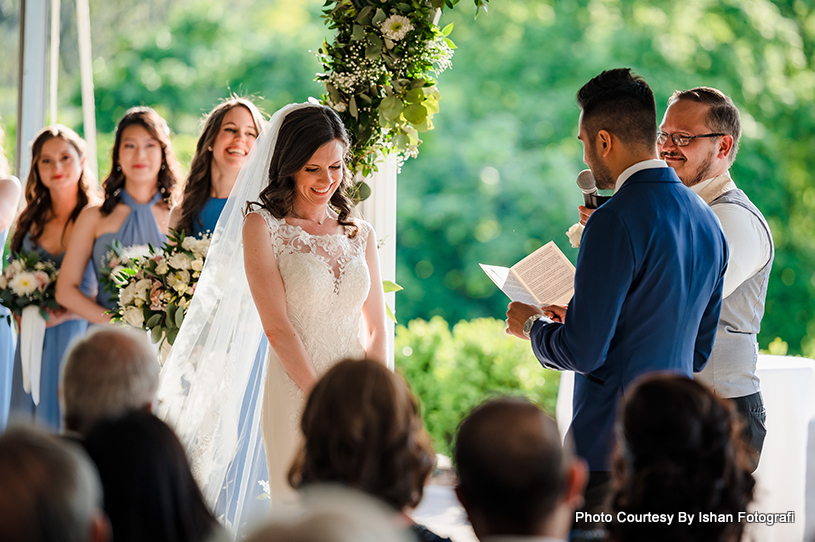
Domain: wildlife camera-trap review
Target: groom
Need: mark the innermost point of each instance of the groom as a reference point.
(648, 285)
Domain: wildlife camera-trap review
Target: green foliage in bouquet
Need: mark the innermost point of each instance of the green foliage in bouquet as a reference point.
(452, 371)
(121, 263)
(156, 293)
(29, 280)
(379, 72)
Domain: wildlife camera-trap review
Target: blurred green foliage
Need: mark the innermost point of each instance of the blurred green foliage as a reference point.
(453, 370)
(495, 179)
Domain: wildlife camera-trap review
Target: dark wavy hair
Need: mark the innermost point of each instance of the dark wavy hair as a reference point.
(303, 132)
(679, 448)
(149, 490)
(38, 210)
(151, 121)
(362, 429)
(199, 180)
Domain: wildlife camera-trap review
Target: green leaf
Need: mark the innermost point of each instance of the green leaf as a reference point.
(447, 29)
(391, 107)
(418, 83)
(450, 43)
(414, 96)
(155, 335)
(364, 13)
(358, 33)
(389, 286)
(389, 312)
(179, 317)
(373, 51)
(153, 321)
(352, 107)
(404, 7)
(379, 17)
(415, 113)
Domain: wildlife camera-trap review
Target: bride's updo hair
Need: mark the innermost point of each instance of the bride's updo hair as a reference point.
(302, 132)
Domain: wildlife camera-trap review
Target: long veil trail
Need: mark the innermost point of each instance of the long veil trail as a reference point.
(211, 385)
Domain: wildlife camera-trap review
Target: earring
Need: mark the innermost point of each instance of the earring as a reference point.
(162, 166)
(118, 168)
(209, 148)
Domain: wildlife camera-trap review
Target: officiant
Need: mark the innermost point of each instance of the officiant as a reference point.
(649, 276)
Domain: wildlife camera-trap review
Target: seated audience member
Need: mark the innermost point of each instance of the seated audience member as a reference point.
(333, 513)
(49, 490)
(150, 493)
(107, 372)
(678, 450)
(516, 480)
(362, 429)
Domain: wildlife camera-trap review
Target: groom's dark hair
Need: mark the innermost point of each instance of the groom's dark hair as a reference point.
(621, 103)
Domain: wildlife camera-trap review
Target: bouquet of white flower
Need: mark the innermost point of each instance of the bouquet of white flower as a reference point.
(113, 274)
(29, 280)
(154, 294)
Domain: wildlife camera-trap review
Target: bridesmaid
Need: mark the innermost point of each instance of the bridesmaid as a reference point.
(229, 134)
(138, 197)
(9, 199)
(57, 190)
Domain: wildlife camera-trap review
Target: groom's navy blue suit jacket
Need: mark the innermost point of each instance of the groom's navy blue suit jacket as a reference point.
(647, 297)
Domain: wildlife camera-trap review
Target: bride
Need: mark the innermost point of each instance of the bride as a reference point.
(306, 275)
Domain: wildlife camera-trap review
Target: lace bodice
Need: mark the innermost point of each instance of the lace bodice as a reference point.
(327, 281)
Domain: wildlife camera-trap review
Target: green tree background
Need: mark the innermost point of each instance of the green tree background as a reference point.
(495, 179)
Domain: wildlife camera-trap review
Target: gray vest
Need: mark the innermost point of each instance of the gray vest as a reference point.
(731, 369)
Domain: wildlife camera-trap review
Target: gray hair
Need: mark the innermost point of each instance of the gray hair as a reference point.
(106, 373)
(50, 489)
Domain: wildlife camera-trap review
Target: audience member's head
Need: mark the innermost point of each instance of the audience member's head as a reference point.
(515, 476)
(107, 372)
(333, 514)
(150, 493)
(49, 490)
(678, 449)
(362, 429)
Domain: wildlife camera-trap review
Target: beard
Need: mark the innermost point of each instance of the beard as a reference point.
(702, 172)
(602, 174)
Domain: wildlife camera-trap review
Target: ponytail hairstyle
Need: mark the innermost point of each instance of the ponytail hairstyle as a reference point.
(38, 210)
(199, 179)
(151, 121)
(303, 132)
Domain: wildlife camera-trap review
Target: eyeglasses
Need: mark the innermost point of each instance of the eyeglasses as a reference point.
(679, 139)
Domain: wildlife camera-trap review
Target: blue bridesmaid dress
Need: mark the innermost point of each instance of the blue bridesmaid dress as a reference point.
(57, 340)
(208, 217)
(139, 228)
(8, 343)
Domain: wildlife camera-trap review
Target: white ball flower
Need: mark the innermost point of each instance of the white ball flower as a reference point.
(396, 27)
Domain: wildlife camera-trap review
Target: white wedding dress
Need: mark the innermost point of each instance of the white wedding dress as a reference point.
(327, 281)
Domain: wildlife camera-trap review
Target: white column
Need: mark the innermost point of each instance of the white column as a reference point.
(380, 211)
(83, 27)
(31, 85)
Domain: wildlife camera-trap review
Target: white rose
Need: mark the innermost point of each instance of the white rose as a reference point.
(201, 248)
(575, 234)
(134, 316)
(142, 288)
(127, 295)
(162, 268)
(197, 265)
(180, 261)
(188, 243)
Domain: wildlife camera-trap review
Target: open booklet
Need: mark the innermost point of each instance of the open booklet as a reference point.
(545, 277)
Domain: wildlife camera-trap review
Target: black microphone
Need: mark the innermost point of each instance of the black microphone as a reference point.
(588, 185)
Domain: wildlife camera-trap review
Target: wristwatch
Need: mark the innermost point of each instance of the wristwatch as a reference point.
(531, 320)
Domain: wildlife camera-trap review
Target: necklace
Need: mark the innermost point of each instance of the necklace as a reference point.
(320, 222)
